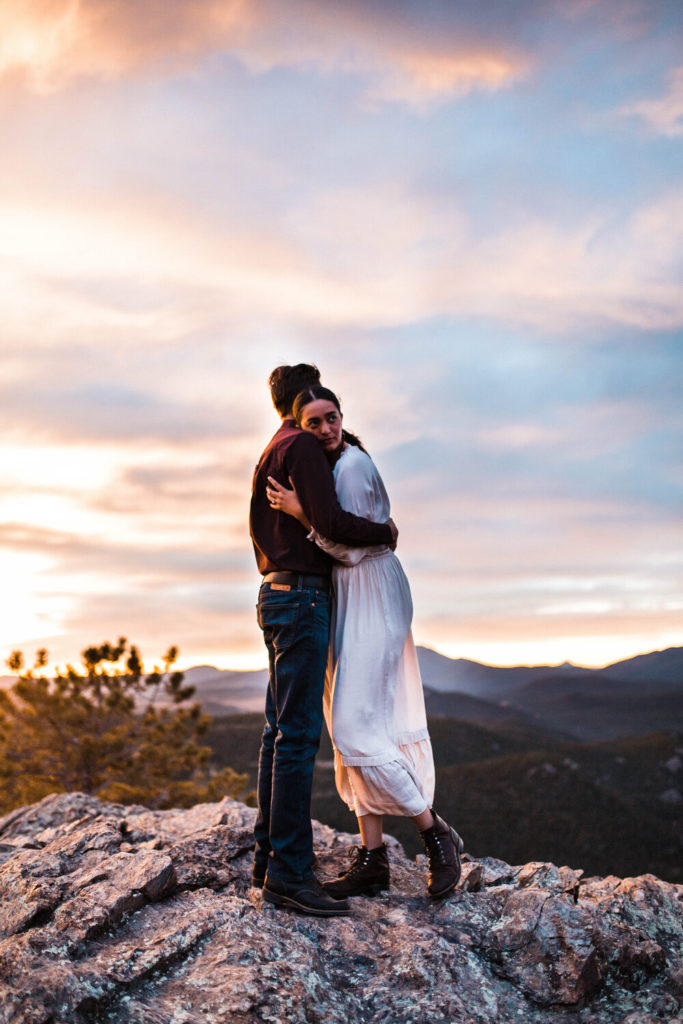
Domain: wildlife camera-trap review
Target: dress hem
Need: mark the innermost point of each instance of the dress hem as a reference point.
(374, 760)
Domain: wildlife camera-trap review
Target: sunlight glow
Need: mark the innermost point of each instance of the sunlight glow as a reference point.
(32, 608)
(35, 43)
(77, 467)
(590, 652)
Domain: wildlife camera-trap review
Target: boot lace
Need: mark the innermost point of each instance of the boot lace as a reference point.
(435, 852)
(361, 856)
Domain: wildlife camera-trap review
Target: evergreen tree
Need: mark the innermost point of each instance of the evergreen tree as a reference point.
(109, 730)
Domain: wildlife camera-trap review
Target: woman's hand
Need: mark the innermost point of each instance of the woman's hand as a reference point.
(286, 500)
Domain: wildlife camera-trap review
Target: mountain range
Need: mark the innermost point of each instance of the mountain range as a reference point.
(557, 763)
(627, 698)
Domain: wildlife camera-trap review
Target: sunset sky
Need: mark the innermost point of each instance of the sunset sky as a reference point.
(468, 214)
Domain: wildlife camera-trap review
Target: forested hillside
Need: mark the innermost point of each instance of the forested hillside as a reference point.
(516, 793)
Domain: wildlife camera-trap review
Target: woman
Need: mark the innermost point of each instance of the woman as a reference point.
(374, 704)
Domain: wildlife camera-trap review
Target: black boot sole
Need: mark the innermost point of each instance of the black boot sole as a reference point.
(304, 908)
(371, 890)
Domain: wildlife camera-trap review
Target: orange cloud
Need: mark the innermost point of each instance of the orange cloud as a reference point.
(50, 42)
(420, 77)
(36, 35)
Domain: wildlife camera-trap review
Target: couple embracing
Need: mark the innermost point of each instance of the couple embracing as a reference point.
(335, 610)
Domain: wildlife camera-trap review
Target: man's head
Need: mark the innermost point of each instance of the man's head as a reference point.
(287, 381)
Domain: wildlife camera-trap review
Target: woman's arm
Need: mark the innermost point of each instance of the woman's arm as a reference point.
(285, 500)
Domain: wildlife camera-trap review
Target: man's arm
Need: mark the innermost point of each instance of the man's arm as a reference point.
(310, 474)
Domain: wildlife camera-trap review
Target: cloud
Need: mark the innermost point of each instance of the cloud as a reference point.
(153, 340)
(52, 41)
(159, 575)
(151, 563)
(399, 52)
(664, 114)
(154, 543)
(422, 77)
(545, 274)
(115, 228)
(422, 255)
(195, 192)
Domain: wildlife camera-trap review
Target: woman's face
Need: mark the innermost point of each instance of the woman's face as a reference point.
(323, 419)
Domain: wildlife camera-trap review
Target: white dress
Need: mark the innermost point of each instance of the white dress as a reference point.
(374, 704)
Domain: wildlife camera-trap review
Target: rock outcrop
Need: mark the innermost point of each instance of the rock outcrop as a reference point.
(124, 915)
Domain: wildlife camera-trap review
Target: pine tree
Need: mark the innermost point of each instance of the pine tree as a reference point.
(109, 730)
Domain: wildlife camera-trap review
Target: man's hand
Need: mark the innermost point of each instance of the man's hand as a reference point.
(394, 533)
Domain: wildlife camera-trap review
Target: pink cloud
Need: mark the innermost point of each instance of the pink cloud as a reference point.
(49, 42)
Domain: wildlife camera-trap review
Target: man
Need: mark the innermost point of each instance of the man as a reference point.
(294, 614)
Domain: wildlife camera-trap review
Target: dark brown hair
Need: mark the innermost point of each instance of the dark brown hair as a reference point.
(312, 394)
(286, 382)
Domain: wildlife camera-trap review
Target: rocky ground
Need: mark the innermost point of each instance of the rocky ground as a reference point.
(124, 915)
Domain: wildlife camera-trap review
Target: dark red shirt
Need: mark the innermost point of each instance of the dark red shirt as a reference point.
(280, 541)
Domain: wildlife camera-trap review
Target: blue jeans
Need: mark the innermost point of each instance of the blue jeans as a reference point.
(296, 626)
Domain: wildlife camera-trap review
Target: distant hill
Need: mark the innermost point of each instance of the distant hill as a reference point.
(612, 807)
(447, 674)
(485, 712)
(598, 706)
(628, 698)
(220, 691)
(659, 668)
(225, 691)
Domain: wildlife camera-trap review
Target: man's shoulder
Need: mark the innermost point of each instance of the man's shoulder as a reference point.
(291, 440)
(283, 436)
(300, 442)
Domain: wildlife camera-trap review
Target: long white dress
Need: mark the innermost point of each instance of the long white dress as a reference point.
(374, 703)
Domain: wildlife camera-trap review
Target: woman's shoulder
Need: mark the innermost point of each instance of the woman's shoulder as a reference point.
(355, 469)
(354, 458)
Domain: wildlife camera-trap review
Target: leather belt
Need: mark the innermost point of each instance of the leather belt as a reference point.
(297, 579)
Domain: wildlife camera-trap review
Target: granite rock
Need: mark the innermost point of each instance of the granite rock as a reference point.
(119, 915)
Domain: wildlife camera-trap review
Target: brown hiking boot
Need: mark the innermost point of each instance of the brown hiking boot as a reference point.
(443, 846)
(367, 876)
